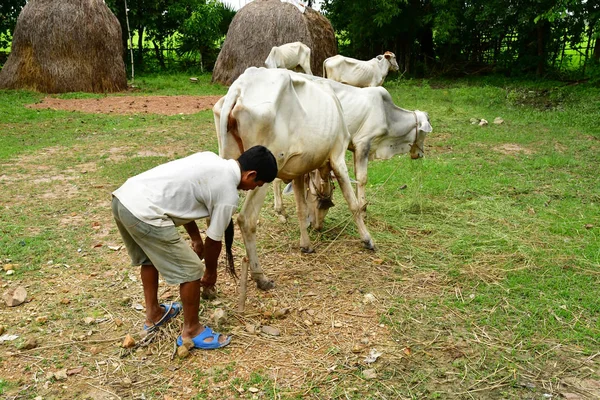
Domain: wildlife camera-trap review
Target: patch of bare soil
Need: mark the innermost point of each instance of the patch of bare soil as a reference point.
(164, 105)
(512, 148)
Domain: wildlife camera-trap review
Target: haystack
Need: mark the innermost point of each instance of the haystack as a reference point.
(66, 46)
(262, 24)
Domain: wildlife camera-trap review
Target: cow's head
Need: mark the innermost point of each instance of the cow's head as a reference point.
(319, 195)
(423, 127)
(391, 57)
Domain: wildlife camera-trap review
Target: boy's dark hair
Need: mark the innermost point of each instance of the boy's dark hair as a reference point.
(261, 160)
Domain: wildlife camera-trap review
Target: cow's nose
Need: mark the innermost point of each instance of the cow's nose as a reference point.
(416, 156)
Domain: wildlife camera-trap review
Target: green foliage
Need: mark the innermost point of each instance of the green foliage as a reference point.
(200, 32)
(9, 12)
(454, 37)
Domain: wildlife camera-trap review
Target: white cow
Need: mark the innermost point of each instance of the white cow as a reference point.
(300, 120)
(289, 56)
(360, 73)
(378, 129)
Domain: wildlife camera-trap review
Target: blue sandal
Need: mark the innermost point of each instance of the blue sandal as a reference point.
(201, 343)
(171, 311)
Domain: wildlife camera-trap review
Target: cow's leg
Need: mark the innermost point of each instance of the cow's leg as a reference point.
(361, 159)
(305, 62)
(319, 202)
(247, 222)
(338, 165)
(299, 195)
(278, 200)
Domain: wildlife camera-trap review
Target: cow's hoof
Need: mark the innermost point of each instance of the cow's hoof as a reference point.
(209, 293)
(265, 284)
(369, 245)
(307, 250)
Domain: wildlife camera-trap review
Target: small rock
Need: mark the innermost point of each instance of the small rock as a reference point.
(253, 390)
(251, 328)
(61, 375)
(10, 272)
(281, 313)
(41, 319)
(15, 297)
(182, 352)
(337, 325)
(89, 320)
(269, 330)
(94, 350)
(474, 121)
(498, 121)
(369, 298)
(118, 322)
(357, 348)
(2, 329)
(65, 301)
(589, 226)
(194, 80)
(126, 382)
(187, 343)
(129, 342)
(31, 343)
(370, 374)
(307, 322)
(219, 317)
(483, 122)
(364, 340)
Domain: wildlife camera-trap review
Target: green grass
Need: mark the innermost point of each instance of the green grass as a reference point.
(493, 236)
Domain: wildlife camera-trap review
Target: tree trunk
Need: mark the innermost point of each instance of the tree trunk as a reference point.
(159, 54)
(140, 52)
(597, 50)
(540, 49)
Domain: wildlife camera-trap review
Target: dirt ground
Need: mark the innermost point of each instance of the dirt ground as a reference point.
(164, 105)
(331, 309)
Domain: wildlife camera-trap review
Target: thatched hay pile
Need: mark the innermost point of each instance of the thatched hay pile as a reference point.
(262, 24)
(66, 46)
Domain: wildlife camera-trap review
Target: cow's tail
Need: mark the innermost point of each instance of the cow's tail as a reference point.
(228, 251)
(224, 139)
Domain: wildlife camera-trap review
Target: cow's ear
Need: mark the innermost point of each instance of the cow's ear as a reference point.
(387, 55)
(424, 124)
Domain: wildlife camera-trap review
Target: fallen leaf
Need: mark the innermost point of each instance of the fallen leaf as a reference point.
(7, 337)
(74, 371)
(373, 356)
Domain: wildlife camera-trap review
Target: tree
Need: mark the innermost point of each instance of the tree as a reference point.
(200, 32)
(9, 12)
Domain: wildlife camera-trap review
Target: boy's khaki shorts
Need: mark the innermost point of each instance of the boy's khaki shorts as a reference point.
(161, 246)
